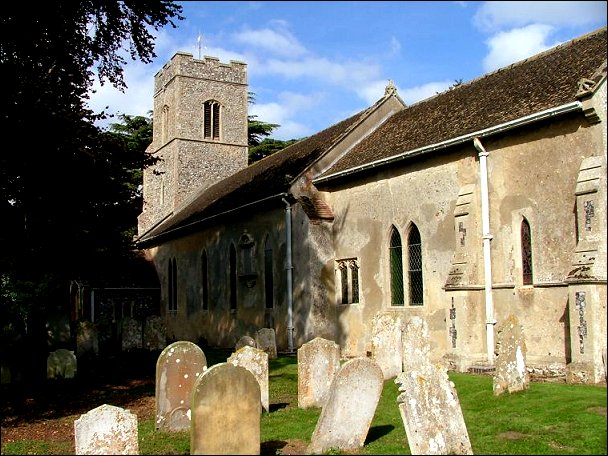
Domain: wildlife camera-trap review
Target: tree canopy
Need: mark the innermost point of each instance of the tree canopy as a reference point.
(67, 185)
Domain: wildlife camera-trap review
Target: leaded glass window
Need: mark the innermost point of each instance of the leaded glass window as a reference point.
(414, 246)
(396, 268)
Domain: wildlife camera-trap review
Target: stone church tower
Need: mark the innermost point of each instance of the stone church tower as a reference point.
(200, 132)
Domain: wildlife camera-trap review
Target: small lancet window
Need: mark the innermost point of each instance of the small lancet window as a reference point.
(268, 275)
(526, 252)
(232, 277)
(205, 280)
(172, 286)
(211, 120)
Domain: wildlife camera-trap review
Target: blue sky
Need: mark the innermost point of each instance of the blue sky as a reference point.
(313, 63)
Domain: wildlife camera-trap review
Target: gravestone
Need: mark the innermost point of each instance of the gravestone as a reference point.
(511, 374)
(387, 329)
(131, 334)
(60, 364)
(346, 416)
(154, 333)
(226, 412)
(58, 330)
(177, 369)
(87, 339)
(318, 363)
(256, 362)
(265, 340)
(106, 430)
(428, 402)
(245, 341)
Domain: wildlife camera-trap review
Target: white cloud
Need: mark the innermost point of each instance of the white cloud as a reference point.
(283, 112)
(395, 46)
(278, 42)
(506, 48)
(496, 15)
(422, 92)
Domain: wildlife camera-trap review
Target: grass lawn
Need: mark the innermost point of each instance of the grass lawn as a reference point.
(547, 418)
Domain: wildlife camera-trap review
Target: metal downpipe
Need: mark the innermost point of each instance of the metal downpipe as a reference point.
(289, 269)
(487, 258)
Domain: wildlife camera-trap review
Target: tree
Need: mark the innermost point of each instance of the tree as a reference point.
(260, 145)
(66, 196)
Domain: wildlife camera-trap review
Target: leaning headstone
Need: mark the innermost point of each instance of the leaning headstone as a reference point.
(177, 369)
(61, 363)
(428, 402)
(87, 339)
(511, 374)
(226, 412)
(387, 329)
(256, 362)
(131, 334)
(58, 330)
(265, 339)
(245, 341)
(347, 415)
(154, 333)
(106, 430)
(318, 363)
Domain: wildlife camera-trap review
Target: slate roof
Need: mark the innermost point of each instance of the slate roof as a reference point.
(263, 179)
(541, 82)
(547, 80)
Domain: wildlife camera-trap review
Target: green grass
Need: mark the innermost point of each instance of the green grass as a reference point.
(547, 418)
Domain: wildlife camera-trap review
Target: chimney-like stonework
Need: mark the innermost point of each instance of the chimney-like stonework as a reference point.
(200, 132)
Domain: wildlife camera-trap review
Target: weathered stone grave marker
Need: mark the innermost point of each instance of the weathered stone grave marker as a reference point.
(177, 369)
(60, 364)
(387, 329)
(131, 335)
(245, 341)
(154, 333)
(347, 415)
(106, 430)
(265, 339)
(226, 412)
(318, 363)
(256, 362)
(428, 402)
(511, 374)
(87, 339)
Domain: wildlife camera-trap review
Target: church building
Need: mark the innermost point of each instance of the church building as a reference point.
(481, 202)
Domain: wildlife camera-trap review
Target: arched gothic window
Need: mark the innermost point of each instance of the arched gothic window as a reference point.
(414, 247)
(396, 268)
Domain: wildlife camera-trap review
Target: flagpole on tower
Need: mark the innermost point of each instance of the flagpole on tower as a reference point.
(199, 40)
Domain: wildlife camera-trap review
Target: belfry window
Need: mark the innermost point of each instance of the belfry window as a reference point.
(526, 252)
(396, 268)
(211, 120)
(414, 247)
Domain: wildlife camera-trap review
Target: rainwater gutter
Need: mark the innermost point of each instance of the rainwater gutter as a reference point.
(487, 256)
(541, 115)
(289, 269)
